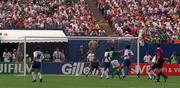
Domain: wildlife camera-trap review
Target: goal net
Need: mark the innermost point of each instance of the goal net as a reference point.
(71, 57)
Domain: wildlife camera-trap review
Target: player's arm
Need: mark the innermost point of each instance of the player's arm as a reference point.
(132, 54)
(124, 56)
(120, 51)
(144, 58)
(88, 56)
(34, 57)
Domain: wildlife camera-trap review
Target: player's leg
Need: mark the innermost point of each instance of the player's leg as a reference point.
(116, 66)
(123, 71)
(105, 70)
(33, 71)
(38, 70)
(34, 75)
(149, 73)
(159, 66)
(90, 71)
(117, 71)
(102, 73)
(123, 65)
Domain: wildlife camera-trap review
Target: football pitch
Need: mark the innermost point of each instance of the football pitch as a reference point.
(11, 81)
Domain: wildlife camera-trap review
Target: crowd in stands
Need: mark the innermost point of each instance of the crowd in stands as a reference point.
(73, 17)
(148, 19)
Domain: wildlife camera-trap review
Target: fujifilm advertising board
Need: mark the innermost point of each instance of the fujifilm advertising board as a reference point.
(13, 68)
(48, 68)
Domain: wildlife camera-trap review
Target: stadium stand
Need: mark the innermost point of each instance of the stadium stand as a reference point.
(74, 17)
(150, 19)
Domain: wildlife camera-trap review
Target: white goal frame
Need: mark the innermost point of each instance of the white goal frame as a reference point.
(25, 38)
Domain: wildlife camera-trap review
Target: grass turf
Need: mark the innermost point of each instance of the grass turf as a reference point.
(10, 81)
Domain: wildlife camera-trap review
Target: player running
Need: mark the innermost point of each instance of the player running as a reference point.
(36, 64)
(106, 64)
(160, 61)
(126, 62)
(152, 68)
(94, 63)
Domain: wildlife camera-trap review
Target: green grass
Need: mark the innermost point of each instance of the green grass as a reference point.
(10, 81)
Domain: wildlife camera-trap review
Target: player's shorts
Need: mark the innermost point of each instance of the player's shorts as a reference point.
(36, 65)
(126, 62)
(115, 63)
(107, 65)
(160, 63)
(95, 65)
(153, 66)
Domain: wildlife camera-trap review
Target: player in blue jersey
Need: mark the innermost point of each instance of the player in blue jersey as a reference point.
(36, 64)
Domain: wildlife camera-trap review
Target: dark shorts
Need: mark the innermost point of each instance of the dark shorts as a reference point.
(95, 65)
(160, 63)
(107, 65)
(36, 65)
(126, 62)
(153, 66)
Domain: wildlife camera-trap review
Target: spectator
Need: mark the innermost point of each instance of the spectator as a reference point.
(74, 17)
(6, 56)
(173, 58)
(58, 56)
(81, 52)
(14, 53)
(150, 18)
(147, 58)
(47, 57)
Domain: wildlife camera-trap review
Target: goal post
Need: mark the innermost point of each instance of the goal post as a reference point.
(102, 43)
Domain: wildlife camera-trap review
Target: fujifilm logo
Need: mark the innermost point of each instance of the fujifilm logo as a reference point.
(77, 68)
(13, 68)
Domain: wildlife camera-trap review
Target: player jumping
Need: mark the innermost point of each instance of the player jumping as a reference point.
(36, 64)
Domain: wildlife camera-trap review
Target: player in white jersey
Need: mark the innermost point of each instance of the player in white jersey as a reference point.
(106, 64)
(36, 64)
(152, 67)
(93, 63)
(126, 62)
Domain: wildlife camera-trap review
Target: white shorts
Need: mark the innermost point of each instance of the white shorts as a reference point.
(6, 60)
(115, 63)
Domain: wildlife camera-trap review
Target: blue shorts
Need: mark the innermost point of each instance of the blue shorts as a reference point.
(153, 66)
(107, 65)
(126, 62)
(36, 65)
